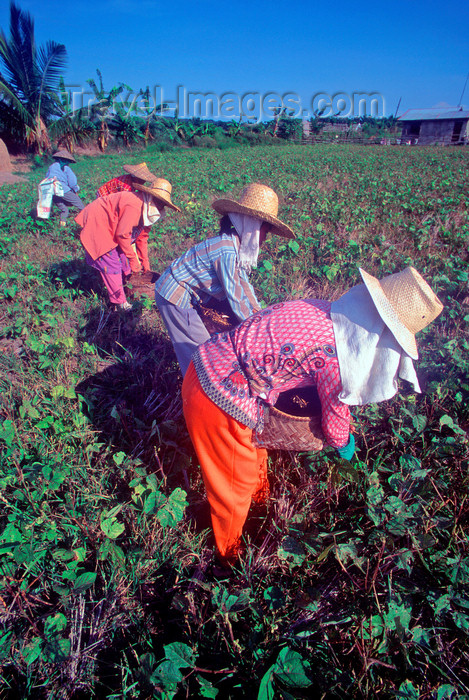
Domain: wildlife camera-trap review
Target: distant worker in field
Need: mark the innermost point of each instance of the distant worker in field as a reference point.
(218, 268)
(61, 171)
(133, 175)
(353, 351)
(111, 224)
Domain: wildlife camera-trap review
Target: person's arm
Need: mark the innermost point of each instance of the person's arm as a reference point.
(238, 290)
(335, 415)
(141, 245)
(130, 212)
(71, 179)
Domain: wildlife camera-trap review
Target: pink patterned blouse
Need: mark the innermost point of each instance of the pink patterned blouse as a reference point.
(285, 346)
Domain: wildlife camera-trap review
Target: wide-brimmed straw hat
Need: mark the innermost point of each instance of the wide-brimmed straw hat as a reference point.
(160, 189)
(65, 155)
(140, 171)
(406, 303)
(259, 201)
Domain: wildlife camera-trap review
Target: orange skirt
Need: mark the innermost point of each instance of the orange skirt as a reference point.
(233, 469)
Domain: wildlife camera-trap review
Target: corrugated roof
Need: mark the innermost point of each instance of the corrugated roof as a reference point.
(433, 113)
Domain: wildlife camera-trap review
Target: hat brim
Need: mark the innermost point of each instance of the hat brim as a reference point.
(141, 173)
(404, 337)
(166, 201)
(225, 206)
(70, 159)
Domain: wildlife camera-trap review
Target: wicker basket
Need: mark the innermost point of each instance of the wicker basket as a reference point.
(285, 430)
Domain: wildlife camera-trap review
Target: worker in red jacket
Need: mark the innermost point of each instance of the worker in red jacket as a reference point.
(114, 236)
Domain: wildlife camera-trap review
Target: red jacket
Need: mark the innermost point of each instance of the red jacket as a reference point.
(108, 222)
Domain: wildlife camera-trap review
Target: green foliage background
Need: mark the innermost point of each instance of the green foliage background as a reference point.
(355, 578)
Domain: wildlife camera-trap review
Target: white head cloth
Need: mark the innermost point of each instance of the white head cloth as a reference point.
(248, 229)
(150, 211)
(370, 358)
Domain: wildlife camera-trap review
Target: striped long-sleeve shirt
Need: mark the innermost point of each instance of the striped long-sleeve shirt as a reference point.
(209, 269)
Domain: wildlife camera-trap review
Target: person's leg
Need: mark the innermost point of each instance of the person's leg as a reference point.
(61, 205)
(114, 286)
(231, 465)
(69, 199)
(185, 329)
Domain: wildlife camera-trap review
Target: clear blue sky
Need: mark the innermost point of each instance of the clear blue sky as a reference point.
(414, 51)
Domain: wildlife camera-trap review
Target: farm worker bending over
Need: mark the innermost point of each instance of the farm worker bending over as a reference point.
(218, 267)
(353, 351)
(112, 223)
(134, 175)
(62, 171)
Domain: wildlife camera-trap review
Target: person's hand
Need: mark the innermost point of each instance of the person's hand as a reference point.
(348, 450)
(135, 266)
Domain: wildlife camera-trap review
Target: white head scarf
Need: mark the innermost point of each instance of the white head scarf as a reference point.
(370, 358)
(150, 212)
(248, 229)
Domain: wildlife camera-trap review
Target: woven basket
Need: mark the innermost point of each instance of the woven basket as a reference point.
(284, 430)
(217, 316)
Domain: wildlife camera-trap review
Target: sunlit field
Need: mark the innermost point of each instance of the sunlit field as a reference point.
(355, 578)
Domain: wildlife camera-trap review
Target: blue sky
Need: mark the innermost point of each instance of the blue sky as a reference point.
(415, 52)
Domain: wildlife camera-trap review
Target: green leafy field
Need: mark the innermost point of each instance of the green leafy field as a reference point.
(355, 579)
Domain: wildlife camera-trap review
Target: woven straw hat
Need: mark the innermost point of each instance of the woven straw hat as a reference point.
(406, 303)
(140, 171)
(160, 189)
(65, 155)
(256, 200)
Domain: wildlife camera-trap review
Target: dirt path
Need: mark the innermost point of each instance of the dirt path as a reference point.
(10, 179)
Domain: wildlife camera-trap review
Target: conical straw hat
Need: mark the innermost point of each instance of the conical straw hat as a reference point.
(406, 303)
(65, 155)
(140, 171)
(160, 189)
(259, 201)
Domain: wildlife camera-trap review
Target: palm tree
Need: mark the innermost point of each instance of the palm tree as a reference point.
(28, 81)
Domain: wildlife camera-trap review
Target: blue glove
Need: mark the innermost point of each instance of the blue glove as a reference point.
(348, 450)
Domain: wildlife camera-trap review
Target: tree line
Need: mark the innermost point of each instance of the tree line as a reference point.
(36, 110)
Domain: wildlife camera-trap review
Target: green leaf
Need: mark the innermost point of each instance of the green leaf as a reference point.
(448, 421)
(119, 458)
(57, 650)
(5, 645)
(419, 422)
(267, 688)
(32, 650)
(112, 528)
(274, 597)
(373, 628)
(447, 692)
(84, 581)
(291, 668)
(55, 624)
(153, 502)
(207, 690)
(7, 432)
(291, 551)
(398, 615)
(179, 654)
(461, 620)
(172, 512)
(420, 636)
(408, 691)
(294, 246)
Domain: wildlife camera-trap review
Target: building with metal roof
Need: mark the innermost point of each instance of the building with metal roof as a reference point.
(441, 126)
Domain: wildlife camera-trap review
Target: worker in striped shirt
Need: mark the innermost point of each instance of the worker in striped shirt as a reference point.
(218, 268)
